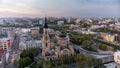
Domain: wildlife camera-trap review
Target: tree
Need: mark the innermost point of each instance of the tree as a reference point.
(31, 53)
(40, 64)
(63, 66)
(20, 63)
(81, 59)
(85, 61)
(102, 46)
(24, 62)
(98, 64)
(48, 64)
(90, 61)
(27, 61)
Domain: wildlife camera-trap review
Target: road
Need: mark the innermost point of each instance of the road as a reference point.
(117, 44)
(90, 52)
(15, 45)
(106, 56)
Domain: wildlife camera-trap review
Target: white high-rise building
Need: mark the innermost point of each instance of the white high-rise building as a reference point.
(1, 21)
(60, 22)
(41, 22)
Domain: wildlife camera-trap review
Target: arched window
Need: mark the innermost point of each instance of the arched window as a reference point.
(46, 32)
(65, 52)
(46, 44)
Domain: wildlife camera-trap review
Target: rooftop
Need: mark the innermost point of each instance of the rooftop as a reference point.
(62, 35)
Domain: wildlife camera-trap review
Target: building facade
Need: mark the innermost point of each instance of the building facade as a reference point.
(117, 57)
(56, 46)
(109, 37)
(5, 43)
(30, 44)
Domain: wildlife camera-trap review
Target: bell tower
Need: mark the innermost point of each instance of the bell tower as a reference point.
(45, 39)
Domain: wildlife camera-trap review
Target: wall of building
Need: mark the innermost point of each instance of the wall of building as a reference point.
(108, 37)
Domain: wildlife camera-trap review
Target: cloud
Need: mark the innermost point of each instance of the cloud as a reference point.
(60, 7)
(14, 14)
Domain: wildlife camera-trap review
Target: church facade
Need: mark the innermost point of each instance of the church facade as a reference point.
(55, 46)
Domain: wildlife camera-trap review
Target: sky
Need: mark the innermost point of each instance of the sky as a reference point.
(58, 8)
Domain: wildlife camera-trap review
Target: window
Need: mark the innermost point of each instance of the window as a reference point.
(5, 48)
(46, 44)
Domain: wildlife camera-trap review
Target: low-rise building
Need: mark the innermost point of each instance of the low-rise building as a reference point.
(60, 22)
(77, 21)
(27, 42)
(109, 37)
(117, 57)
(30, 44)
(117, 26)
(5, 43)
(96, 27)
(35, 31)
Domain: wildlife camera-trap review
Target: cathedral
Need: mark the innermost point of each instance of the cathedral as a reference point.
(55, 45)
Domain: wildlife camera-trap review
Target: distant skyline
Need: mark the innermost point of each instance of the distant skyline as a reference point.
(58, 8)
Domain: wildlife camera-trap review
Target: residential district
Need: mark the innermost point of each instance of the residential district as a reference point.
(52, 42)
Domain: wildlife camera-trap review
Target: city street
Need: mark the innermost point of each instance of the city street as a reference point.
(14, 54)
